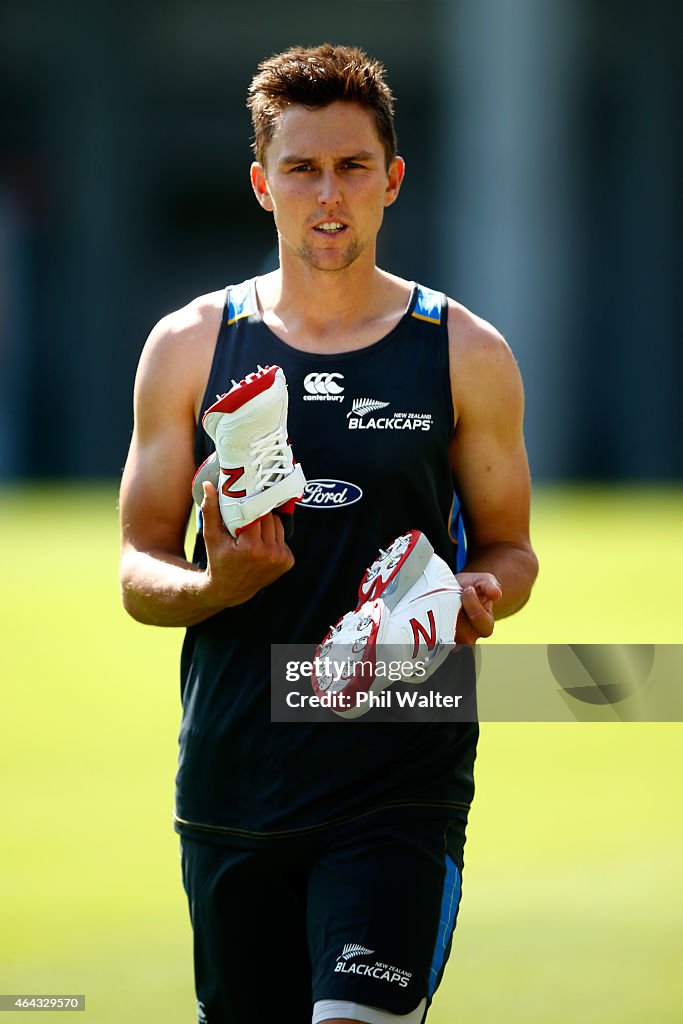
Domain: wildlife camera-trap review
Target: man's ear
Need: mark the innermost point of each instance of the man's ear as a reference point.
(260, 186)
(395, 174)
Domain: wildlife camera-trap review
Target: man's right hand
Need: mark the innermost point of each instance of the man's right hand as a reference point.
(159, 586)
(239, 567)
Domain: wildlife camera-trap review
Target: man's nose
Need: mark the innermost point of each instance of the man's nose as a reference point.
(329, 192)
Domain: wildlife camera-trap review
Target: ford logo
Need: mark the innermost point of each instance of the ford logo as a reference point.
(330, 494)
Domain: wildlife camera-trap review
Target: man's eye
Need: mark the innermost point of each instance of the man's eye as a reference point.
(352, 165)
(302, 167)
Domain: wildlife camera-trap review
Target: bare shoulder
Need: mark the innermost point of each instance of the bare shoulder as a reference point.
(473, 339)
(184, 331)
(481, 361)
(180, 347)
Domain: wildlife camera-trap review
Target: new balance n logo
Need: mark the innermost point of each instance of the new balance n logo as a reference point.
(233, 476)
(420, 631)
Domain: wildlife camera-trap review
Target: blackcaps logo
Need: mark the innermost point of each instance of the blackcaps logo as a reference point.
(362, 417)
(379, 971)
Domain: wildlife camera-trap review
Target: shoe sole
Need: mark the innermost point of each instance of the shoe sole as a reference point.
(238, 396)
(403, 576)
(358, 684)
(208, 472)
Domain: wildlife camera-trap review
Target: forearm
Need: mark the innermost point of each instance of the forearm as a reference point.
(159, 589)
(514, 567)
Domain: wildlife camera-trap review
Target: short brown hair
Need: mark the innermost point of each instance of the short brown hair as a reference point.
(315, 77)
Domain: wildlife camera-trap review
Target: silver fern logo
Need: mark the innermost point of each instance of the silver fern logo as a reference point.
(361, 406)
(352, 949)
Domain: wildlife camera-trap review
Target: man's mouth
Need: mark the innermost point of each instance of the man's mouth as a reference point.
(331, 227)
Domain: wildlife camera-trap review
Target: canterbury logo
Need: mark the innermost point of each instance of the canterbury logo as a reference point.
(360, 406)
(233, 476)
(323, 383)
(352, 949)
(420, 631)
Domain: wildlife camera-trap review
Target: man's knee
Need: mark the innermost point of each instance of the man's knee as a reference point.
(341, 1020)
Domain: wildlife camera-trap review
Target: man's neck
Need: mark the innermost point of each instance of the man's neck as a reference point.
(314, 302)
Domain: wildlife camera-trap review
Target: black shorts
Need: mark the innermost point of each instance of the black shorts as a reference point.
(362, 913)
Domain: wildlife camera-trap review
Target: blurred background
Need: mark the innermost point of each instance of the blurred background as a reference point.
(543, 190)
(544, 153)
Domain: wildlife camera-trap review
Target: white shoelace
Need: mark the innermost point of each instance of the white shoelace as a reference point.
(270, 459)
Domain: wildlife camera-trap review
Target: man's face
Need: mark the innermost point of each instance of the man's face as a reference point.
(327, 183)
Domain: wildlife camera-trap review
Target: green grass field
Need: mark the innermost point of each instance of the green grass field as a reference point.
(572, 891)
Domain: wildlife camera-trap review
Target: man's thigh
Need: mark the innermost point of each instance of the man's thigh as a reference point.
(382, 906)
(248, 911)
(357, 917)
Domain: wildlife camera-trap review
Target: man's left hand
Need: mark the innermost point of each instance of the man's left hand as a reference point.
(480, 590)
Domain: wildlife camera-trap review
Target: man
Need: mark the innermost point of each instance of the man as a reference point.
(322, 861)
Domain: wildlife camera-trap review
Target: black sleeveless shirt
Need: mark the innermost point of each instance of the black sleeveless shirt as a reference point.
(371, 430)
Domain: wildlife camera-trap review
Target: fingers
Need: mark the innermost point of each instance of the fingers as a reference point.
(480, 591)
(485, 583)
(278, 540)
(268, 530)
(211, 513)
(279, 530)
(464, 633)
(265, 538)
(238, 567)
(490, 588)
(273, 536)
(476, 616)
(262, 532)
(262, 540)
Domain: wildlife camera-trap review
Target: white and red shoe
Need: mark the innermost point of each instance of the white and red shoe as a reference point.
(394, 572)
(256, 468)
(423, 622)
(410, 621)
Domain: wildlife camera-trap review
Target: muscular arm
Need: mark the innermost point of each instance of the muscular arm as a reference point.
(159, 586)
(491, 473)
